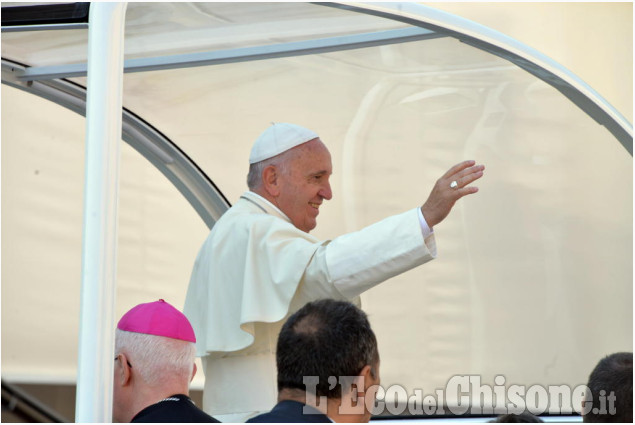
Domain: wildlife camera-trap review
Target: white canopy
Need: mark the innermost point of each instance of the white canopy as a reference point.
(534, 275)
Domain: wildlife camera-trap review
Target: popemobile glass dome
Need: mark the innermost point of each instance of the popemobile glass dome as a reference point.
(533, 280)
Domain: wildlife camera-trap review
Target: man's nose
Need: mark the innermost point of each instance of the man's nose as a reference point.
(326, 192)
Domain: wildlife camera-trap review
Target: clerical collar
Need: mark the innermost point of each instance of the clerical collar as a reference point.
(258, 198)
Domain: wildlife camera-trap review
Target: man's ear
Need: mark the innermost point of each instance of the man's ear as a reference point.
(362, 381)
(270, 180)
(125, 374)
(368, 375)
(193, 372)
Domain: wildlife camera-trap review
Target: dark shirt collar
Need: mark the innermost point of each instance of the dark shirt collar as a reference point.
(306, 409)
(172, 398)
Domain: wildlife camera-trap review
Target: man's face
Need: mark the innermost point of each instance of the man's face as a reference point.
(305, 184)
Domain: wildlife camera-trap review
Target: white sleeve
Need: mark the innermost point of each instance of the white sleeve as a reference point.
(316, 282)
(355, 262)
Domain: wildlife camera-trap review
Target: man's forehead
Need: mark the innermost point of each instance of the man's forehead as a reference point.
(313, 151)
(313, 145)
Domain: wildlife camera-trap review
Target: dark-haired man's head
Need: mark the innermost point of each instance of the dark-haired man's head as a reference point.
(610, 395)
(327, 350)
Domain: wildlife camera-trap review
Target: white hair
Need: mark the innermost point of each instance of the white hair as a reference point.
(156, 358)
(280, 161)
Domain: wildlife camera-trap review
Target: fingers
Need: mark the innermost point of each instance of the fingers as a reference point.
(468, 171)
(470, 175)
(466, 191)
(458, 167)
(444, 193)
(463, 173)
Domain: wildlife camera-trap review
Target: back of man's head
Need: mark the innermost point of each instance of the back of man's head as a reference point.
(157, 360)
(610, 397)
(326, 339)
(158, 341)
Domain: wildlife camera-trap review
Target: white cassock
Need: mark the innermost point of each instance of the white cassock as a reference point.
(256, 268)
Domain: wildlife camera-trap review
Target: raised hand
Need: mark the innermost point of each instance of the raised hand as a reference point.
(451, 187)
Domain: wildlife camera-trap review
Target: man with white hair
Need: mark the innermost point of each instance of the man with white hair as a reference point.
(259, 264)
(154, 346)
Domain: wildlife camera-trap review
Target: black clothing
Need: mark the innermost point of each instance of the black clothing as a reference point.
(289, 411)
(177, 408)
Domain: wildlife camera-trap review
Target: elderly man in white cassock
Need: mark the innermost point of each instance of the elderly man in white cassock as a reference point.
(259, 263)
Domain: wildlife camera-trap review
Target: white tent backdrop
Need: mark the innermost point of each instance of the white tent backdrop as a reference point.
(534, 275)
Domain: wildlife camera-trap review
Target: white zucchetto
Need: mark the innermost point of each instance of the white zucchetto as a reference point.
(278, 138)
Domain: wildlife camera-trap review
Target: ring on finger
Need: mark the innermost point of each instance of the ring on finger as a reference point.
(454, 184)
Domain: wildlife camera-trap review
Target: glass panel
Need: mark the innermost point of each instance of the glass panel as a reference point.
(159, 29)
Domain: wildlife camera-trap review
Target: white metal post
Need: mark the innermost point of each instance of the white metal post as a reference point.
(99, 240)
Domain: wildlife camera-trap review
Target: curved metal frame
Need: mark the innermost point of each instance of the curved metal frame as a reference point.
(244, 54)
(200, 191)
